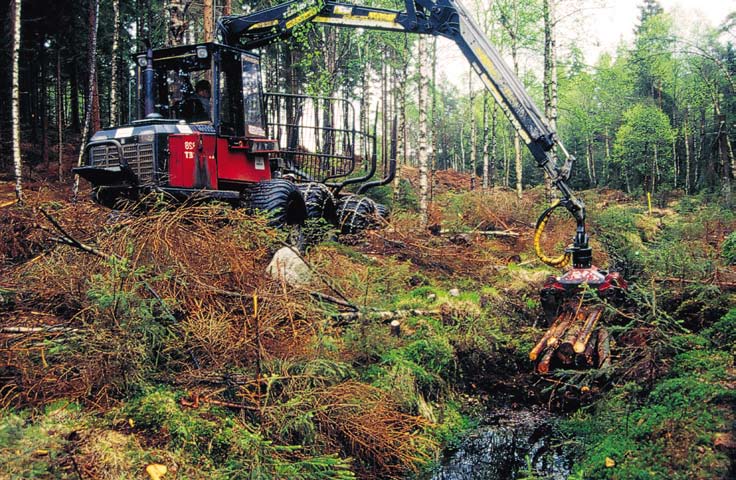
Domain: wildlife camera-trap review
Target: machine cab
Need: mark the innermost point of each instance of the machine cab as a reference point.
(206, 84)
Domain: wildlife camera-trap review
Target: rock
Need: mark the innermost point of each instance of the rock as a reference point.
(289, 266)
(431, 297)
(454, 292)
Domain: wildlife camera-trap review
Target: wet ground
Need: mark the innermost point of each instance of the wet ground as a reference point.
(508, 444)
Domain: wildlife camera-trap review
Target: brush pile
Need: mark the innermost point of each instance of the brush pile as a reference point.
(99, 307)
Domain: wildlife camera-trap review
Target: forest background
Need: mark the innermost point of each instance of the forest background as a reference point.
(655, 116)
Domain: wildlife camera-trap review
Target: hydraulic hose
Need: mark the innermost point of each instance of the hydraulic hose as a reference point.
(560, 261)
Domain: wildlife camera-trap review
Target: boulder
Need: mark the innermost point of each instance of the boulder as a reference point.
(286, 265)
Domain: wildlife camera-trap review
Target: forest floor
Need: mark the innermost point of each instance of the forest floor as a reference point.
(147, 340)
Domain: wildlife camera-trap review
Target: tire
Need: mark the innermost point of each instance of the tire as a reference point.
(279, 198)
(105, 197)
(382, 210)
(356, 213)
(319, 201)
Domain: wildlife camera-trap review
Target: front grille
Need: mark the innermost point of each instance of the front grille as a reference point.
(139, 157)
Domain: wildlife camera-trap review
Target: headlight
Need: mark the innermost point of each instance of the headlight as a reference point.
(202, 52)
(142, 62)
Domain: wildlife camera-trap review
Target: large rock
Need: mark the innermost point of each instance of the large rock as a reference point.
(286, 265)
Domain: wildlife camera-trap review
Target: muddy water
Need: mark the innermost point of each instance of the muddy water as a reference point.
(504, 447)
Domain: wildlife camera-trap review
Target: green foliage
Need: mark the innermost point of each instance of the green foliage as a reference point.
(723, 332)
(225, 446)
(407, 197)
(728, 249)
(421, 367)
(158, 411)
(667, 432)
(643, 146)
(32, 445)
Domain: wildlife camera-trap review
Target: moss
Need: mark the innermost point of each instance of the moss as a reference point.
(667, 432)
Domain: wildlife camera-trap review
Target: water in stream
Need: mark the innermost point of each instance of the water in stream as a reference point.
(504, 446)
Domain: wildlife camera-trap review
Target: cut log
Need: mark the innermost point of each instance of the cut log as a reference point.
(586, 358)
(584, 336)
(604, 348)
(551, 337)
(543, 365)
(566, 351)
(387, 316)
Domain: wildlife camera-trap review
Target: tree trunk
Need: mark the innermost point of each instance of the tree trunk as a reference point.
(485, 182)
(433, 142)
(59, 112)
(685, 131)
(655, 168)
(725, 154)
(507, 164)
(423, 154)
(227, 8)
(208, 20)
(473, 137)
(92, 66)
(114, 94)
(17, 161)
(401, 130)
(606, 170)
(494, 145)
(550, 80)
(588, 160)
(178, 23)
(513, 33)
(74, 97)
(401, 127)
(45, 112)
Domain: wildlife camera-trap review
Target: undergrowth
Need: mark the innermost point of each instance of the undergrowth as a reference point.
(176, 349)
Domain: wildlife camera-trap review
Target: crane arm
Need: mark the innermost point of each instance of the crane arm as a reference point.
(447, 18)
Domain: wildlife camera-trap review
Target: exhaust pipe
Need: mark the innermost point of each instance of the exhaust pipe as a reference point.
(148, 81)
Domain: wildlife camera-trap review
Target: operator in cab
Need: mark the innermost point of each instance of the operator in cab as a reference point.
(197, 108)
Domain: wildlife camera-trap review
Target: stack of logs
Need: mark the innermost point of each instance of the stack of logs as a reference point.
(573, 341)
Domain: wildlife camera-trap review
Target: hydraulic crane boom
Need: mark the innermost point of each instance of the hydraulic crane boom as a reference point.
(450, 19)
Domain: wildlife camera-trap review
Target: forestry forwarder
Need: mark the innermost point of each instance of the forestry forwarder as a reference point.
(229, 155)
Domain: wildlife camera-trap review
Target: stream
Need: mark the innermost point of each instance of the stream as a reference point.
(504, 447)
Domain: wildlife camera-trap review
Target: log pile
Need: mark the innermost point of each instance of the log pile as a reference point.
(574, 340)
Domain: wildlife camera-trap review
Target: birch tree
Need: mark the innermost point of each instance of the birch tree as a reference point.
(520, 25)
(550, 79)
(17, 162)
(59, 113)
(473, 138)
(423, 156)
(114, 61)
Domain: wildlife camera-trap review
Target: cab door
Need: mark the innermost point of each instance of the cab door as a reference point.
(240, 118)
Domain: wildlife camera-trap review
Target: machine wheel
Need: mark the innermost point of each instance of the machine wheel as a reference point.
(105, 197)
(356, 213)
(382, 210)
(281, 199)
(319, 201)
